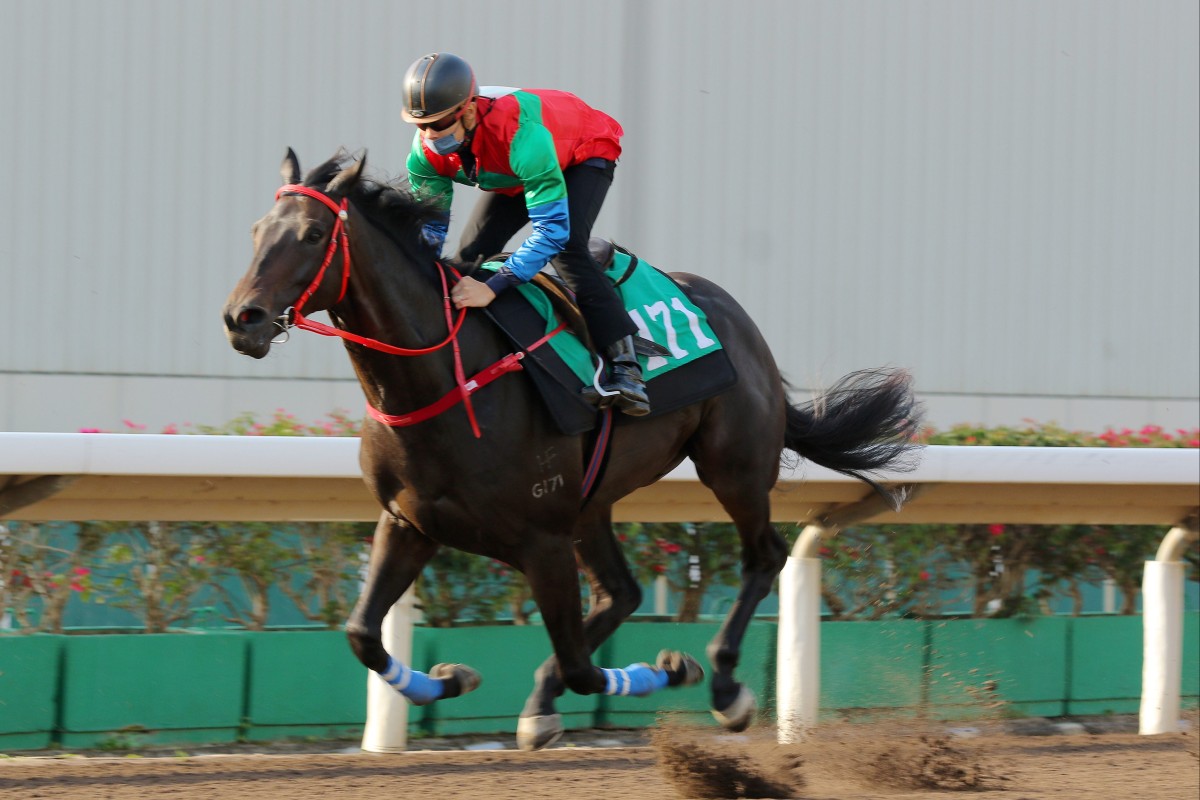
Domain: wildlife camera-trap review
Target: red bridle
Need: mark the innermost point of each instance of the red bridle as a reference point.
(465, 387)
(340, 237)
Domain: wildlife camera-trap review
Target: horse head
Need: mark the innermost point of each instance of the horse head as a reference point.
(295, 261)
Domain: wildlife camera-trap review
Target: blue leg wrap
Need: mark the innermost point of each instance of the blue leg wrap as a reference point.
(416, 686)
(636, 680)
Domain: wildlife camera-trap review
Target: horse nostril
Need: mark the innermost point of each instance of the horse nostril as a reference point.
(249, 317)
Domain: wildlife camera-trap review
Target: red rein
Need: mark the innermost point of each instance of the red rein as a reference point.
(465, 387)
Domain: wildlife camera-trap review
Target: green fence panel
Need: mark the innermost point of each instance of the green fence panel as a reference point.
(131, 689)
(1106, 665)
(637, 642)
(506, 657)
(304, 683)
(998, 667)
(871, 665)
(29, 678)
(126, 690)
(1190, 687)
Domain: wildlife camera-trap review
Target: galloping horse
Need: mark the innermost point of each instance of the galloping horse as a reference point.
(340, 242)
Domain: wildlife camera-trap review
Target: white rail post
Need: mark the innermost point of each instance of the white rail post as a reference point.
(1162, 632)
(798, 657)
(661, 588)
(386, 730)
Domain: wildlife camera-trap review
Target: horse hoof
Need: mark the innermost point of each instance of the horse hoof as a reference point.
(459, 679)
(740, 713)
(534, 733)
(681, 668)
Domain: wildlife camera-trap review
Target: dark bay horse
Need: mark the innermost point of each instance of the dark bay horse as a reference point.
(340, 242)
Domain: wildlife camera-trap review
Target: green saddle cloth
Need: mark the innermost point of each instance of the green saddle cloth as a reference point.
(656, 304)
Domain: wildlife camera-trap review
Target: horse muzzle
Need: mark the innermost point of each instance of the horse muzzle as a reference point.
(251, 330)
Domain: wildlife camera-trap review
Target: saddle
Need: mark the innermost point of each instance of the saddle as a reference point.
(694, 368)
(563, 299)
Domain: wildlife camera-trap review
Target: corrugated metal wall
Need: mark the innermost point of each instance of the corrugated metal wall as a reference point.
(1002, 196)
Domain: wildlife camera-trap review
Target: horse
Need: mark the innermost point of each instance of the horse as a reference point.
(339, 241)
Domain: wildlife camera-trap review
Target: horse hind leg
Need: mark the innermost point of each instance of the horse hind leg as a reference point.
(398, 555)
(764, 552)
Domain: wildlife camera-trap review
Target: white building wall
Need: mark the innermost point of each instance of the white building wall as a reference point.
(1000, 195)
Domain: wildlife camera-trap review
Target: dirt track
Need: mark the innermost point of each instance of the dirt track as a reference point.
(861, 762)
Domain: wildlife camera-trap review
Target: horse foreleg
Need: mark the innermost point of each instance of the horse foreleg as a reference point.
(398, 554)
(615, 595)
(551, 571)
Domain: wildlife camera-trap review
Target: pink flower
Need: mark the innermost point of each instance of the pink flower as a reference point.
(76, 586)
(996, 530)
(659, 568)
(172, 428)
(133, 426)
(82, 571)
(925, 575)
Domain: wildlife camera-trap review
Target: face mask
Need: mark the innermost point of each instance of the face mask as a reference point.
(445, 145)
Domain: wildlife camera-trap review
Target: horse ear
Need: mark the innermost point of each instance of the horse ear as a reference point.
(290, 168)
(347, 178)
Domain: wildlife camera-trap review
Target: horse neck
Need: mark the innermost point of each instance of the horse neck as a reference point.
(392, 300)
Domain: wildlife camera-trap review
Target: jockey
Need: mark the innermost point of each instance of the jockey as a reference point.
(543, 157)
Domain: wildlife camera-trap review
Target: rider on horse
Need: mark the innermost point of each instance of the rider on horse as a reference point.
(544, 157)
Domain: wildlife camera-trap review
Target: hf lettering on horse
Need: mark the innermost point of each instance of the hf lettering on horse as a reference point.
(460, 453)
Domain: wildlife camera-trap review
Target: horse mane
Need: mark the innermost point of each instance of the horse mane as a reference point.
(388, 205)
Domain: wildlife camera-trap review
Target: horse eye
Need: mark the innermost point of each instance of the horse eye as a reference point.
(313, 236)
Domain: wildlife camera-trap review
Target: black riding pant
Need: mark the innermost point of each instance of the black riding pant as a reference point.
(498, 217)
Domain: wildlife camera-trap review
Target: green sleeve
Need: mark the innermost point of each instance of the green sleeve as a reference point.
(425, 181)
(535, 162)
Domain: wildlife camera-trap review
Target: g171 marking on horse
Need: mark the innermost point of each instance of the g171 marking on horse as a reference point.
(342, 243)
(545, 487)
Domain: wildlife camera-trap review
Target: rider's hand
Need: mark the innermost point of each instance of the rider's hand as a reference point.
(470, 293)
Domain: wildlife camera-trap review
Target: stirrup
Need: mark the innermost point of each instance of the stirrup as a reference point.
(631, 406)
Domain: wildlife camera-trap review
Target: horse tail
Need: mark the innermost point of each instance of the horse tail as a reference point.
(867, 421)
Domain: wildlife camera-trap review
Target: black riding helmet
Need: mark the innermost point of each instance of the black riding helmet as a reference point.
(435, 85)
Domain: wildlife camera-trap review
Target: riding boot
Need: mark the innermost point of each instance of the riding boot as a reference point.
(625, 377)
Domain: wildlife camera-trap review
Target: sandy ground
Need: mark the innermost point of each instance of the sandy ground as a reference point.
(867, 762)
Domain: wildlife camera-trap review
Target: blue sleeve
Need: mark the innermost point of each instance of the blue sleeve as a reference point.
(434, 232)
(551, 229)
